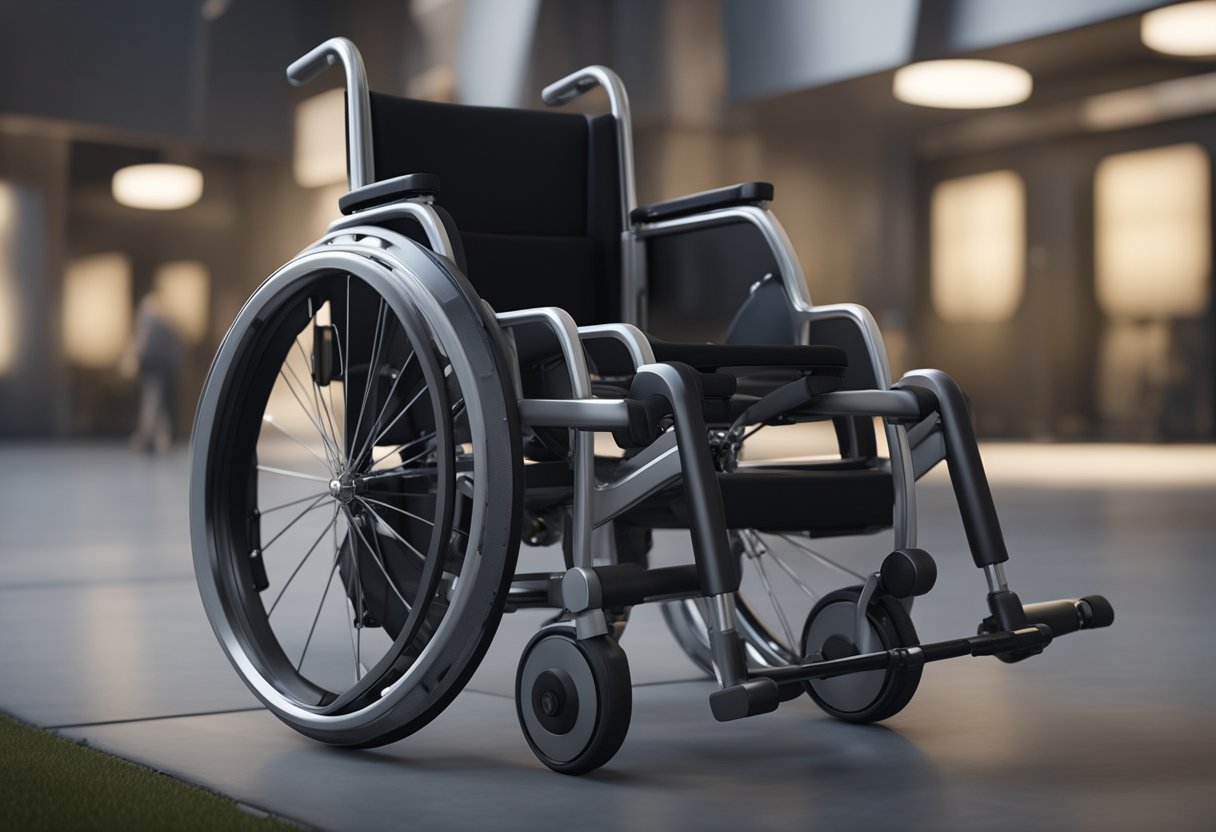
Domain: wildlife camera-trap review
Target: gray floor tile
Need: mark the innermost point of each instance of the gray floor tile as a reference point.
(100, 622)
(951, 761)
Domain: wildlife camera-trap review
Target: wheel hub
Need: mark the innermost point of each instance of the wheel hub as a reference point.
(555, 700)
(343, 488)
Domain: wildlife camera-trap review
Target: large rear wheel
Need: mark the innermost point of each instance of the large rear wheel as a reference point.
(356, 490)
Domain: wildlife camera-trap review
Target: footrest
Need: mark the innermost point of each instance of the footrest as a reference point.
(755, 696)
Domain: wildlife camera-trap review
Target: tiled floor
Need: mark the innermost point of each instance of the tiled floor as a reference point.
(102, 636)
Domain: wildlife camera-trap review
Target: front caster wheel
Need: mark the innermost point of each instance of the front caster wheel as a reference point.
(574, 699)
(830, 631)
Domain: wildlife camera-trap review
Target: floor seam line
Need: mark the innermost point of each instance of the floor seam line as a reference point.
(250, 709)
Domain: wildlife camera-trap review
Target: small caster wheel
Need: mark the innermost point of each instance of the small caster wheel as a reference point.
(872, 695)
(574, 699)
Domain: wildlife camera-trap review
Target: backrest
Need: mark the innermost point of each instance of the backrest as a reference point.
(535, 196)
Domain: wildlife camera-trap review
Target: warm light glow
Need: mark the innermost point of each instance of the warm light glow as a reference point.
(1187, 29)
(157, 187)
(978, 247)
(96, 309)
(319, 156)
(1151, 227)
(962, 84)
(183, 289)
(8, 280)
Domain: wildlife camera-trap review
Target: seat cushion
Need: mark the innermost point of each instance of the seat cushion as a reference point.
(709, 357)
(825, 502)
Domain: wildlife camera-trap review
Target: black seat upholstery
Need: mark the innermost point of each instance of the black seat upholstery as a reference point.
(828, 501)
(535, 196)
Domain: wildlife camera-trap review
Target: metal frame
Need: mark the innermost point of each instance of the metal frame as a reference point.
(360, 169)
(928, 401)
(419, 210)
(903, 471)
(584, 80)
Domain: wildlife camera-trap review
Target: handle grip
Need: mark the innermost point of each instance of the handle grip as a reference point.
(320, 58)
(571, 87)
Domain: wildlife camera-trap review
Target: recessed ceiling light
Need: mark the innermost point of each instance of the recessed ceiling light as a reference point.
(1187, 29)
(962, 84)
(157, 187)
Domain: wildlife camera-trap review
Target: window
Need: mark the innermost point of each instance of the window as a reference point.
(978, 247)
(97, 309)
(1152, 231)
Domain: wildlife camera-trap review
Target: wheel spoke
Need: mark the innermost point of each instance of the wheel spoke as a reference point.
(283, 472)
(283, 530)
(401, 448)
(317, 617)
(399, 472)
(453, 530)
(397, 418)
(320, 430)
(270, 420)
(384, 571)
(332, 406)
(265, 511)
(300, 565)
(396, 536)
(346, 378)
(319, 406)
(370, 443)
(398, 510)
(357, 606)
(371, 367)
(820, 557)
(755, 555)
(785, 567)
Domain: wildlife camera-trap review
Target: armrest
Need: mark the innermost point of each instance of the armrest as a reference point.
(561, 326)
(745, 193)
(628, 340)
(389, 190)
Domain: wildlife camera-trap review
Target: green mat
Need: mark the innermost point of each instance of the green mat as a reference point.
(51, 783)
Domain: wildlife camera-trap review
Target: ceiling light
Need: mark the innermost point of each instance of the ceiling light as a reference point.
(962, 84)
(157, 187)
(1187, 29)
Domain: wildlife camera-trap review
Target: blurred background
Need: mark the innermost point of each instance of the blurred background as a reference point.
(1043, 233)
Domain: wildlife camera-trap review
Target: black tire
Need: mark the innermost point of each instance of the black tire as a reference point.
(587, 689)
(423, 657)
(860, 697)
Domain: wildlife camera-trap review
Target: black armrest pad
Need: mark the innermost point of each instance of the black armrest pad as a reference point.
(745, 193)
(389, 190)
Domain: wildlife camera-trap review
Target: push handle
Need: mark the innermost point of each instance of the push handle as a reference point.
(584, 80)
(572, 86)
(359, 160)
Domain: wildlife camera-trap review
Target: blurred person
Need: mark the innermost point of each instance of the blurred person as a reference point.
(154, 355)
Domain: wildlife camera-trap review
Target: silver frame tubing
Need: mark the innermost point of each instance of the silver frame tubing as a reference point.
(799, 296)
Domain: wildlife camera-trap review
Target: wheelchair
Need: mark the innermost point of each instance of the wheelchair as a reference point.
(407, 400)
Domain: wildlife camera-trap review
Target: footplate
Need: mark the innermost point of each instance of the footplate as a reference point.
(734, 702)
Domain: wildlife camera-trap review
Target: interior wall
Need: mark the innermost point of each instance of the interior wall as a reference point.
(33, 390)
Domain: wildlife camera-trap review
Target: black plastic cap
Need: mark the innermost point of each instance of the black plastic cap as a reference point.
(1101, 613)
(755, 696)
(908, 572)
